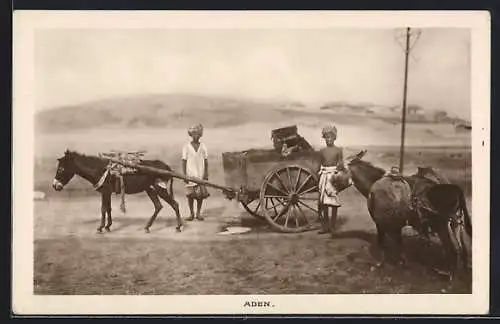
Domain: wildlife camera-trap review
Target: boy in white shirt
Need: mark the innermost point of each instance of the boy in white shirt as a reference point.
(195, 164)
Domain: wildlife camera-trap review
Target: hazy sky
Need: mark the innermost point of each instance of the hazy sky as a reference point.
(359, 65)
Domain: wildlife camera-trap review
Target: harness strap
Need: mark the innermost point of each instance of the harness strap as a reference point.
(100, 183)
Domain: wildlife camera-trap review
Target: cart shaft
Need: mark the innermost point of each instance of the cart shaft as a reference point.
(172, 174)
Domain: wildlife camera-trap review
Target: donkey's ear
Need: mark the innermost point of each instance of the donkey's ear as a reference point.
(361, 154)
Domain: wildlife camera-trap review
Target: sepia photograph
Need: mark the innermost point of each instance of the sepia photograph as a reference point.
(251, 163)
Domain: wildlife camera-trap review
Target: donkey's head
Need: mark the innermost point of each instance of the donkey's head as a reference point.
(363, 173)
(65, 171)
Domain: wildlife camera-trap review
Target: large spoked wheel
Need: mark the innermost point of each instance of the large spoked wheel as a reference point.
(253, 208)
(289, 199)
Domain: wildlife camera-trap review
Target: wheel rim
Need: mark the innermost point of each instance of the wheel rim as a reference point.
(253, 208)
(289, 199)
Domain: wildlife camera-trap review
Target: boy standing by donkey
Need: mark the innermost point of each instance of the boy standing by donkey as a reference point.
(195, 164)
(332, 164)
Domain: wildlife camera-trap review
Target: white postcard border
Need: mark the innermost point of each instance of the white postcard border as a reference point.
(24, 300)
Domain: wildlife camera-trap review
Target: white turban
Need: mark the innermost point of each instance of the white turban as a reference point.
(196, 129)
(329, 130)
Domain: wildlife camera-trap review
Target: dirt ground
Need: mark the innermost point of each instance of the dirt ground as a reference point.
(71, 258)
(80, 216)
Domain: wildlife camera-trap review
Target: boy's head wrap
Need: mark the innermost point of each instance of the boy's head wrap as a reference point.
(329, 130)
(196, 129)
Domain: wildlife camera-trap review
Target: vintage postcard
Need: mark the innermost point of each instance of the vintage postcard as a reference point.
(190, 162)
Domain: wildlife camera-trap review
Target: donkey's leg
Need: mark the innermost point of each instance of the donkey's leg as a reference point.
(381, 244)
(451, 253)
(103, 213)
(169, 199)
(153, 195)
(108, 210)
(397, 237)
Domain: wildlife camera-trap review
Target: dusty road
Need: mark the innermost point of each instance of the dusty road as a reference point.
(71, 258)
(80, 216)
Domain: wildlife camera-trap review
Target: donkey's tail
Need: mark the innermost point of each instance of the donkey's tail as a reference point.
(465, 211)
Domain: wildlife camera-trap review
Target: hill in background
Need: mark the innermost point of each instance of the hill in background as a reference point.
(159, 111)
(181, 110)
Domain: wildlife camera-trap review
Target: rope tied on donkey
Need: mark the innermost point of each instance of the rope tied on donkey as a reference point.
(115, 172)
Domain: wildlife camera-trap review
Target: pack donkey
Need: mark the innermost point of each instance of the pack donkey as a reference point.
(395, 201)
(96, 171)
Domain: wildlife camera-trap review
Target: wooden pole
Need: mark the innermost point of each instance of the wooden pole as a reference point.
(173, 174)
(403, 121)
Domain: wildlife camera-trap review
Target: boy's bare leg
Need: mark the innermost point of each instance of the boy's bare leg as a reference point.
(325, 220)
(198, 209)
(191, 203)
(333, 219)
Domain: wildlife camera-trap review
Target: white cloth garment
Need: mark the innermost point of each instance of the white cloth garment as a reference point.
(195, 161)
(328, 195)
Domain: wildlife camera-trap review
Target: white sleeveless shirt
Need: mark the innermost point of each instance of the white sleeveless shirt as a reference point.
(195, 161)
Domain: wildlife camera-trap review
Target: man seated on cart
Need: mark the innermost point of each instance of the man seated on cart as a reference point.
(332, 167)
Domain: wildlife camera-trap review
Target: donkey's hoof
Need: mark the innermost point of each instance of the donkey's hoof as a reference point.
(107, 229)
(146, 230)
(178, 229)
(99, 231)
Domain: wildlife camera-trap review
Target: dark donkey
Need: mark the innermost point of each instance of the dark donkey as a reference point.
(390, 204)
(92, 168)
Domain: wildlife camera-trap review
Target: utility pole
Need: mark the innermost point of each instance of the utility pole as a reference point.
(405, 87)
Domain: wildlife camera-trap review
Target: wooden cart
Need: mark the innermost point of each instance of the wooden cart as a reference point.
(280, 189)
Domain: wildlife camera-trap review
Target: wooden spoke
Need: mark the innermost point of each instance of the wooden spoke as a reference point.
(273, 196)
(307, 191)
(297, 180)
(303, 183)
(287, 217)
(296, 218)
(303, 214)
(273, 206)
(281, 183)
(278, 189)
(277, 216)
(289, 179)
(308, 198)
(281, 213)
(306, 205)
(281, 202)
